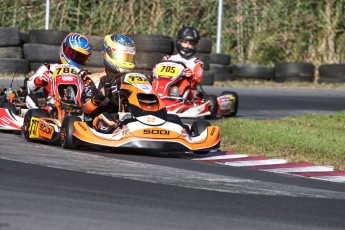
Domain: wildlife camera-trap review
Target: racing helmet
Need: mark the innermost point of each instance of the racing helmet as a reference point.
(75, 50)
(190, 34)
(118, 53)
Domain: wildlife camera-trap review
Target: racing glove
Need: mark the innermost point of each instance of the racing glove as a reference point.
(106, 91)
(42, 80)
(187, 72)
(83, 74)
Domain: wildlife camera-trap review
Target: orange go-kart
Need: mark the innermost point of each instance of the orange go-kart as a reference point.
(66, 88)
(144, 125)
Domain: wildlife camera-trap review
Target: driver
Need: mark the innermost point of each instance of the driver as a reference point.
(74, 53)
(186, 44)
(100, 100)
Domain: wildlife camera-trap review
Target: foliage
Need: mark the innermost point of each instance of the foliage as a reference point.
(256, 31)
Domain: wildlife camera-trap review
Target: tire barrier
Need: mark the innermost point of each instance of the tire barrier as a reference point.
(27, 51)
(252, 71)
(294, 71)
(220, 66)
(49, 37)
(11, 51)
(332, 73)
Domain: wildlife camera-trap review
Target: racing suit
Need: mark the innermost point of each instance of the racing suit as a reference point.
(41, 78)
(193, 74)
(100, 100)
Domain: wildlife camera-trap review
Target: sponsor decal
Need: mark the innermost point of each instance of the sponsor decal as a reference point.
(212, 131)
(156, 132)
(82, 126)
(46, 131)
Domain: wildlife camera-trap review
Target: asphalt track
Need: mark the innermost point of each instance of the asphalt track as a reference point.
(46, 187)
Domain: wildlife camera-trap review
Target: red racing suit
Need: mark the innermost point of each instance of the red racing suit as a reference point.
(196, 66)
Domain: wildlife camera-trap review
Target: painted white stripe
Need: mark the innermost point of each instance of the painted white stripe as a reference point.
(232, 156)
(302, 169)
(255, 162)
(331, 178)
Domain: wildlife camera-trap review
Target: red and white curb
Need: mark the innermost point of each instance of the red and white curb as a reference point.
(274, 165)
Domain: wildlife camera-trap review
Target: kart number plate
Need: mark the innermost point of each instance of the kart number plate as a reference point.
(136, 79)
(65, 70)
(34, 127)
(168, 71)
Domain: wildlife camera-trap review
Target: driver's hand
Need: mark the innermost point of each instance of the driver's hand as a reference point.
(187, 72)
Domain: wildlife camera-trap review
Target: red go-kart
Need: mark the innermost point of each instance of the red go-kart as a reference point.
(171, 85)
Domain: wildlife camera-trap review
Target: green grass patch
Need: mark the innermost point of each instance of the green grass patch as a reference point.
(318, 139)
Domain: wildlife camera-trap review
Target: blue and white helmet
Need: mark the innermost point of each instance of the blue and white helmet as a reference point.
(75, 50)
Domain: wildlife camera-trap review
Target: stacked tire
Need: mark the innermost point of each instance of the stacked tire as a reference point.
(150, 49)
(11, 51)
(220, 66)
(294, 71)
(331, 73)
(203, 52)
(43, 47)
(95, 63)
(242, 71)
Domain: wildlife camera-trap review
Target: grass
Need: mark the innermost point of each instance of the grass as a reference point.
(318, 139)
(277, 84)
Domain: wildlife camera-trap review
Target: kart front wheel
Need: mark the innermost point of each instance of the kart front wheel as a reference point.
(67, 130)
(29, 126)
(197, 128)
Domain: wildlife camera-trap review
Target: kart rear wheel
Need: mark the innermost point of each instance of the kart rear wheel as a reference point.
(212, 107)
(26, 128)
(10, 107)
(234, 113)
(67, 130)
(197, 128)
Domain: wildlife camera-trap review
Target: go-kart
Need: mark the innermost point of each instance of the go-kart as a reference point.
(171, 86)
(45, 124)
(144, 125)
(13, 107)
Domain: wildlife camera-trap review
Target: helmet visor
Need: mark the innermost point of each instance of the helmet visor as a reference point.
(74, 55)
(121, 56)
(189, 43)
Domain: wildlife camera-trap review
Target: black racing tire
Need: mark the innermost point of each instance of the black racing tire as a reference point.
(11, 52)
(10, 107)
(147, 60)
(35, 65)
(24, 37)
(207, 78)
(204, 45)
(221, 72)
(332, 73)
(152, 43)
(12, 65)
(213, 106)
(27, 118)
(237, 101)
(95, 59)
(10, 36)
(251, 71)
(197, 128)
(41, 53)
(96, 42)
(67, 130)
(205, 58)
(294, 71)
(221, 59)
(50, 37)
